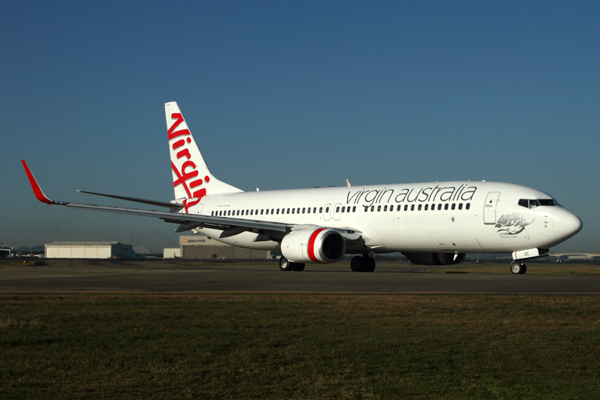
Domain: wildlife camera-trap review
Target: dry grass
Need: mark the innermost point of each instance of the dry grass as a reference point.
(299, 346)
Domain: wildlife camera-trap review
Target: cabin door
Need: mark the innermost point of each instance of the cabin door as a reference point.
(489, 208)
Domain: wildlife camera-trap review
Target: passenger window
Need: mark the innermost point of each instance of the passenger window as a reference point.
(406, 207)
(320, 210)
(298, 210)
(426, 207)
(262, 212)
(293, 209)
(446, 206)
(460, 206)
(308, 210)
(288, 210)
(337, 209)
(384, 208)
(354, 209)
(378, 208)
(468, 206)
(326, 209)
(453, 206)
(303, 210)
(439, 206)
(399, 207)
(419, 208)
(412, 207)
(315, 210)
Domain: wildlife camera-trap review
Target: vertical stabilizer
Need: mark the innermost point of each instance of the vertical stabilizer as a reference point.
(191, 177)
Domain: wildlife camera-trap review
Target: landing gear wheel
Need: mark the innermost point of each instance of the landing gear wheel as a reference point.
(356, 264)
(362, 264)
(369, 264)
(285, 265)
(518, 267)
(297, 266)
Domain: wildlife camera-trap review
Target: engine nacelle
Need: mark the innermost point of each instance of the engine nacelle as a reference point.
(313, 245)
(435, 258)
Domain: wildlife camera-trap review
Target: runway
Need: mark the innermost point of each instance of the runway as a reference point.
(173, 276)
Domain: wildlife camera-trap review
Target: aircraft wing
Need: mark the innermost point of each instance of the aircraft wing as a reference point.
(171, 205)
(229, 226)
(186, 221)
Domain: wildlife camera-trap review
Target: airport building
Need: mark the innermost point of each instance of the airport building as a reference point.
(202, 247)
(90, 250)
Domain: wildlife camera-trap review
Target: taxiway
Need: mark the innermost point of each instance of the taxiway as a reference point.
(181, 276)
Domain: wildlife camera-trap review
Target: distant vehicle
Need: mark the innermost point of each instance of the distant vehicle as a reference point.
(5, 251)
(430, 223)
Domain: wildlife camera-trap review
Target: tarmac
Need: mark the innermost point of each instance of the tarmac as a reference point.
(110, 276)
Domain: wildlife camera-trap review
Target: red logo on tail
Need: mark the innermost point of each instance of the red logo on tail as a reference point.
(188, 168)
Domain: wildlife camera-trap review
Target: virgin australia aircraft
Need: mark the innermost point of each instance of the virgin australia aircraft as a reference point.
(430, 223)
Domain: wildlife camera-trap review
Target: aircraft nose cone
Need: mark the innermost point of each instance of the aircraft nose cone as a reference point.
(566, 224)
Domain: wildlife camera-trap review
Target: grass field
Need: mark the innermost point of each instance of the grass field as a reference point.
(301, 346)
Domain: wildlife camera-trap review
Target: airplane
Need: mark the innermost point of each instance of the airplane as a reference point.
(434, 223)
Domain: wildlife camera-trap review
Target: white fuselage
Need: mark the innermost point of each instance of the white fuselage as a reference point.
(465, 217)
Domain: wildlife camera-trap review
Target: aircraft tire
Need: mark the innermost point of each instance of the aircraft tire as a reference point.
(518, 268)
(298, 266)
(369, 264)
(285, 265)
(356, 264)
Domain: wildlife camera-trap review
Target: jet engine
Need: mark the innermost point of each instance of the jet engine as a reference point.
(435, 258)
(313, 245)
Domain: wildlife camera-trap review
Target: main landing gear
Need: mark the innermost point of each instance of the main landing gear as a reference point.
(518, 267)
(286, 265)
(362, 264)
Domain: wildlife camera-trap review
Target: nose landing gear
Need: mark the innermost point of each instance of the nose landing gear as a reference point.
(518, 267)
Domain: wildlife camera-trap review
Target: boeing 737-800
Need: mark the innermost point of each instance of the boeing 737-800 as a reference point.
(430, 223)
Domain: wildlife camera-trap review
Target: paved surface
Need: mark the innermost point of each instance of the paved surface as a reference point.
(165, 276)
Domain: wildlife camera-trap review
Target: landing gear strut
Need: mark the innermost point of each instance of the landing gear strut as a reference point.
(518, 267)
(287, 265)
(362, 264)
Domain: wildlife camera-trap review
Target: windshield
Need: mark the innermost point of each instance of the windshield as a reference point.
(533, 203)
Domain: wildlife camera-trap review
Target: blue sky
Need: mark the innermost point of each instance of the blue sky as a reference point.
(283, 94)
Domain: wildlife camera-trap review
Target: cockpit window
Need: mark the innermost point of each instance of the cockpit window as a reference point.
(524, 203)
(533, 203)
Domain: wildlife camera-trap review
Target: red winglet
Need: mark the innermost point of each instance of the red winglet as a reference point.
(36, 187)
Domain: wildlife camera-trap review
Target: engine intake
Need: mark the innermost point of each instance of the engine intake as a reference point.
(435, 258)
(313, 245)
